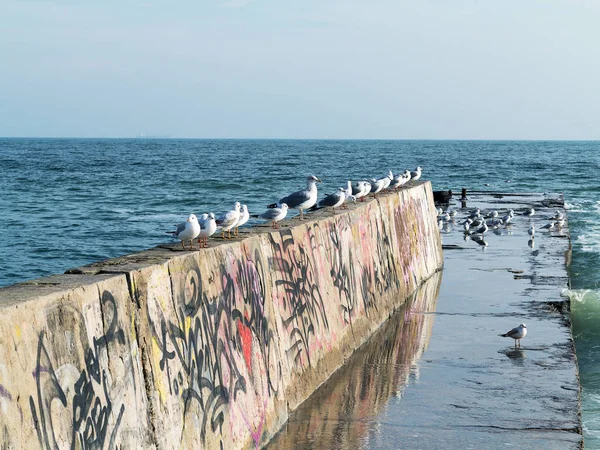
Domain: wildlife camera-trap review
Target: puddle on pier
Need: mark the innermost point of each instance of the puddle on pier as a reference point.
(343, 413)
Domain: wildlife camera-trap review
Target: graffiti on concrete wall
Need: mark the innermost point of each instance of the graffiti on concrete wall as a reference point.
(218, 348)
(297, 280)
(73, 402)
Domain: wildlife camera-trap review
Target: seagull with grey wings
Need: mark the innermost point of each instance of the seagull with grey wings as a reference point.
(302, 199)
(187, 231)
(334, 200)
(517, 334)
(274, 215)
(208, 227)
(229, 220)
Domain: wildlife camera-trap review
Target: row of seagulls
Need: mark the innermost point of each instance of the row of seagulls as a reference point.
(301, 200)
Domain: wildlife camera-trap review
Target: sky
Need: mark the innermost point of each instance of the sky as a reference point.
(315, 69)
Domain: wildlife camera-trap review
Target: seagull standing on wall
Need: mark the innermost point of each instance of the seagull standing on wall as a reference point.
(274, 215)
(207, 229)
(377, 186)
(244, 216)
(303, 199)
(334, 200)
(229, 220)
(187, 231)
(416, 174)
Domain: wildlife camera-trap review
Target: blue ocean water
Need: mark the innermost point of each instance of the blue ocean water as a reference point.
(69, 202)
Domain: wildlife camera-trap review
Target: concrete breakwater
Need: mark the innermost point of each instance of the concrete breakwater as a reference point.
(210, 348)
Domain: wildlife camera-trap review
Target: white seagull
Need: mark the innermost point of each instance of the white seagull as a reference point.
(187, 231)
(274, 215)
(334, 200)
(207, 229)
(517, 334)
(303, 199)
(229, 220)
(244, 216)
(377, 186)
(416, 174)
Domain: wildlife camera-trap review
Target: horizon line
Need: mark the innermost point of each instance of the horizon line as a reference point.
(172, 138)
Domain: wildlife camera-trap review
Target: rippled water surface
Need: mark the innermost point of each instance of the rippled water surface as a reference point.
(69, 202)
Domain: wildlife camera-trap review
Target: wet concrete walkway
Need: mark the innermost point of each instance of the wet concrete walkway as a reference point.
(438, 376)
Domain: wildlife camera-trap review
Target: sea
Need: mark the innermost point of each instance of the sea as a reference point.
(69, 202)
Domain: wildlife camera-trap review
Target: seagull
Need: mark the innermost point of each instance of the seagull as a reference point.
(377, 186)
(557, 215)
(349, 196)
(467, 225)
(208, 228)
(387, 180)
(507, 218)
(187, 231)
(303, 199)
(530, 212)
(517, 334)
(361, 189)
(334, 200)
(531, 231)
(244, 216)
(229, 220)
(549, 226)
(481, 230)
(560, 223)
(416, 174)
(475, 213)
(400, 180)
(274, 215)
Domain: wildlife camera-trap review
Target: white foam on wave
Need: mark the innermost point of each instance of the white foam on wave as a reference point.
(580, 295)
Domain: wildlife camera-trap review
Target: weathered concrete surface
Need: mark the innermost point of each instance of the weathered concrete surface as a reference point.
(211, 348)
(471, 389)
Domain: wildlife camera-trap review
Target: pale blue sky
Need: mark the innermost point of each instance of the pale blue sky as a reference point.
(428, 69)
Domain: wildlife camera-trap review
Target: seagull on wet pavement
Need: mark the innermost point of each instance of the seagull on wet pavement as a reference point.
(517, 334)
(530, 212)
(531, 231)
(549, 226)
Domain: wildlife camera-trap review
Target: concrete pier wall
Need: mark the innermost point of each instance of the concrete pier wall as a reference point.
(211, 348)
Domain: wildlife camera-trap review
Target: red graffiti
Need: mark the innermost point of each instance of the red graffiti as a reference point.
(246, 336)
